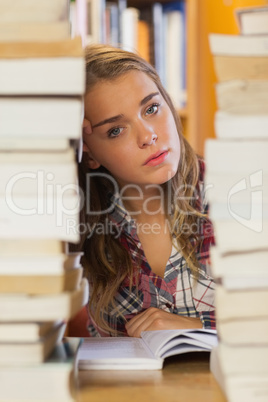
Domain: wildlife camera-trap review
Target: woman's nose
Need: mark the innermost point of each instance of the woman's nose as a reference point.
(146, 135)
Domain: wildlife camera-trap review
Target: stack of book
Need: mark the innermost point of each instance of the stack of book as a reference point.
(41, 286)
(237, 190)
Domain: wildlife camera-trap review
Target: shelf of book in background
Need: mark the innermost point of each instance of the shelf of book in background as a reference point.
(41, 284)
(237, 190)
(155, 30)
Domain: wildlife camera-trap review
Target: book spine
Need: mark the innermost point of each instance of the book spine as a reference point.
(175, 52)
(130, 18)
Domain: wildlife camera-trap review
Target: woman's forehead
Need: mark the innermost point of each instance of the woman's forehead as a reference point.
(126, 79)
(128, 89)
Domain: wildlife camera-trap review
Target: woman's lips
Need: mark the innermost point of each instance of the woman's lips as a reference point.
(156, 159)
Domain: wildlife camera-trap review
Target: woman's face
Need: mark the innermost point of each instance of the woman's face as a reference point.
(134, 135)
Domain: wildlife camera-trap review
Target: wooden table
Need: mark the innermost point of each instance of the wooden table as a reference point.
(184, 378)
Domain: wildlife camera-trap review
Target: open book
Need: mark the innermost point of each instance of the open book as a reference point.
(145, 353)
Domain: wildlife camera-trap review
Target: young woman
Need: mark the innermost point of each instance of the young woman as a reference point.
(144, 227)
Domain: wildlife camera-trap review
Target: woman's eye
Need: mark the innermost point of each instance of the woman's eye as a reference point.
(115, 132)
(152, 109)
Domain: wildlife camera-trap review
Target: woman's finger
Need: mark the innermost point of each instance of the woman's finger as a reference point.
(87, 127)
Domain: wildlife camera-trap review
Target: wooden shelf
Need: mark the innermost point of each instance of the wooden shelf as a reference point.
(183, 113)
(144, 3)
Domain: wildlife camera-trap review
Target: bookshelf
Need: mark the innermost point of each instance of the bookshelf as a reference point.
(204, 17)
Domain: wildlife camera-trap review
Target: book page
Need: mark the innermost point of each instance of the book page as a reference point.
(179, 341)
(179, 346)
(116, 353)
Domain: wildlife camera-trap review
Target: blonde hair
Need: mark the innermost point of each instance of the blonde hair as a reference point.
(105, 63)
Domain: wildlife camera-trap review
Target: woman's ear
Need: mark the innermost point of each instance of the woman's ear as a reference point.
(92, 163)
(85, 147)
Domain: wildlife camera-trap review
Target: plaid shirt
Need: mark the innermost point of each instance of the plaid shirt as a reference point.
(178, 292)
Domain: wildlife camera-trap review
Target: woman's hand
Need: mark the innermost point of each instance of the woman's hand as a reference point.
(87, 127)
(154, 319)
(87, 130)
